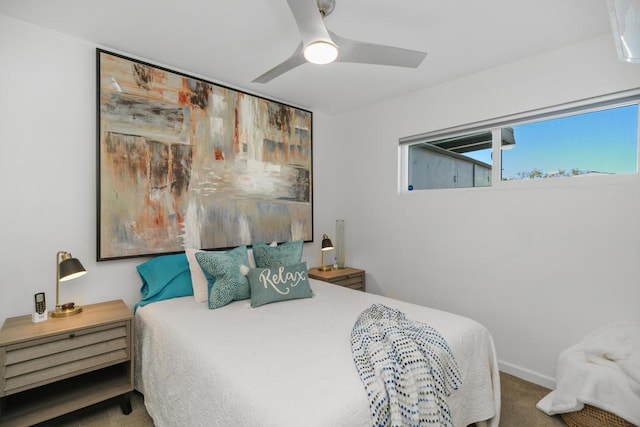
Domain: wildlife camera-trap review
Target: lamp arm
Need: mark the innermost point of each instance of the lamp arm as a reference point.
(63, 254)
(58, 278)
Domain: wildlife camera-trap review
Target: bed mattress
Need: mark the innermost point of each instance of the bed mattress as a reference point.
(287, 363)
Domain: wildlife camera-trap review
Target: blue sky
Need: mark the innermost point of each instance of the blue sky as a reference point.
(601, 141)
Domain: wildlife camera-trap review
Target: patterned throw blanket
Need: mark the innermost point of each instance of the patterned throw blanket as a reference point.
(407, 369)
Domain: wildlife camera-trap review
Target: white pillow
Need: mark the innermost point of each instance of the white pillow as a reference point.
(198, 279)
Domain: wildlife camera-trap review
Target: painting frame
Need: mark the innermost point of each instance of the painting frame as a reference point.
(184, 162)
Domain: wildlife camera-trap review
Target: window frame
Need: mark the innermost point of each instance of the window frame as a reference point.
(586, 105)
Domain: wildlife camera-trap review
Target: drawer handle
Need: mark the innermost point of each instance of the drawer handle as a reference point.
(72, 335)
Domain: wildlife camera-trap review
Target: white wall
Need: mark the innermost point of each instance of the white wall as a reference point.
(539, 265)
(48, 173)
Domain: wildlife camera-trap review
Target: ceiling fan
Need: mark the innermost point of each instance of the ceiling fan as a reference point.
(319, 45)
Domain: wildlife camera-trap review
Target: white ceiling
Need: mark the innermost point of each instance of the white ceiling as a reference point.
(234, 41)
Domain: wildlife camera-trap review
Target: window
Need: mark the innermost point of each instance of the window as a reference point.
(433, 167)
(597, 142)
(454, 162)
(599, 137)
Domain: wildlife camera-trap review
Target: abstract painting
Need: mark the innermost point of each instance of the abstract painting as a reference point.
(186, 163)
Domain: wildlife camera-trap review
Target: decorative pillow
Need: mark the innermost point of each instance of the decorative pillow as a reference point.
(229, 269)
(201, 283)
(289, 253)
(164, 277)
(252, 260)
(279, 284)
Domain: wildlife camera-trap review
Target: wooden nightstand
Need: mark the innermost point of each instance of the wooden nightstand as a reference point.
(59, 365)
(348, 277)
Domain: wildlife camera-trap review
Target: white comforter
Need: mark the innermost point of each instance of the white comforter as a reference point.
(287, 363)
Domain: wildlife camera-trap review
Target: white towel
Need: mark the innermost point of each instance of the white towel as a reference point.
(602, 370)
(618, 343)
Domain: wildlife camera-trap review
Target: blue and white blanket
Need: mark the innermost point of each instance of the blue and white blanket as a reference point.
(407, 369)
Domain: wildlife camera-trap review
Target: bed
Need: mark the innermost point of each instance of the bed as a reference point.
(287, 363)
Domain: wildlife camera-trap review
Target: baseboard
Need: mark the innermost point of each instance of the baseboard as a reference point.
(527, 375)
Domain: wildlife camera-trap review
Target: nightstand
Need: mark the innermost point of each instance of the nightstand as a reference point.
(348, 277)
(59, 365)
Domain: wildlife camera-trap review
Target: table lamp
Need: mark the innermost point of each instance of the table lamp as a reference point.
(326, 246)
(67, 268)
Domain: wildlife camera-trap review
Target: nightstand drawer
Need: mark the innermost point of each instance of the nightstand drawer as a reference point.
(353, 281)
(45, 360)
(347, 277)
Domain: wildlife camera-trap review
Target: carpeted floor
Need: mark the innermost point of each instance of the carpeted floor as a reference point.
(106, 414)
(519, 400)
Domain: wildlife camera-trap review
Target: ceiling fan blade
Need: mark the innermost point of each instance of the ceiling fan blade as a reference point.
(296, 59)
(369, 53)
(309, 20)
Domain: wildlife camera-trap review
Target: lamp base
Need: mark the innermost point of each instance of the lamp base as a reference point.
(66, 310)
(325, 268)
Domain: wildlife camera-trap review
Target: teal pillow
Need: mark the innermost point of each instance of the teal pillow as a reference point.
(164, 277)
(289, 253)
(279, 284)
(228, 269)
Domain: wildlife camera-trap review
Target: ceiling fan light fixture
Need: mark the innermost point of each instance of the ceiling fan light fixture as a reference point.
(321, 52)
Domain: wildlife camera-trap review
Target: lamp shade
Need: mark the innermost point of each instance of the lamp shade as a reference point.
(326, 243)
(71, 268)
